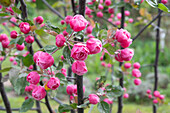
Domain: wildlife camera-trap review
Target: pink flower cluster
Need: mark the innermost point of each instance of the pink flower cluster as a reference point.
(4, 40)
(156, 95)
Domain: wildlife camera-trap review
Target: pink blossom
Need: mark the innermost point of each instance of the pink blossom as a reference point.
(127, 13)
(94, 45)
(127, 54)
(15, 63)
(13, 34)
(39, 20)
(118, 56)
(20, 47)
(148, 91)
(33, 78)
(79, 52)
(137, 81)
(67, 19)
(79, 67)
(60, 40)
(107, 2)
(31, 67)
(130, 20)
(162, 97)
(110, 10)
(155, 101)
(62, 57)
(1, 58)
(150, 96)
(94, 99)
(126, 95)
(70, 89)
(24, 27)
(164, 1)
(3, 37)
(108, 101)
(29, 39)
(5, 43)
(53, 83)
(89, 29)
(100, 6)
(122, 35)
(109, 65)
(99, 14)
(11, 59)
(62, 22)
(65, 33)
(127, 65)
(39, 93)
(156, 93)
(126, 43)
(119, 15)
(136, 65)
(136, 73)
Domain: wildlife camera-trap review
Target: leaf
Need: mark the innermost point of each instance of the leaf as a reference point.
(27, 105)
(4, 14)
(5, 78)
(20, 40)
(162, 7)
(109, 48)
(19, 85)
(64, 108)
(29, 21)
(13, 75)
(103, 107)
(50, 48)
(12, 41)
(85, 105)
(5, 69)
(41, 33)
(28, 60)
(16, 10)
(102, 34)
(106, 58)
(54, 28)
(60, 65)
(74, 105)
(67, 55)
(5, 3)
(99, 83)
(152, 3)
(58, 4)
(95, 31)
(60, 76)
(114, 91)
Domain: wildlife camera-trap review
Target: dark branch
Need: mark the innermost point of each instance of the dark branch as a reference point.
(141, 31)
(65, 9)
(23, 9)
(15, 109)
(52, 9)
(48, 104)
(109, 22)
(73, 7)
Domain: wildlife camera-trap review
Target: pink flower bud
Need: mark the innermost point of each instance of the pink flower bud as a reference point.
(127, 54)
(29, 88)
(90, 36)
(101, 1)
(65, 33)
(26, 97)
(122, 35)
(15, 63)
(130, 20)
(103, 64)
(136, 73)
(109, 65)
(94, 99)
(94, 45)
(24, 27)
(43, 59)
(126, 43)
(125, 24)
(110, 19)
(137, 81)
(108, 101)
(62, 57)
(1, 58)
(126, 95)
(0, 6)
(155, 101)
(29, 39)
(60, 40)
(11, 59)
(20, 47)
(9, 9)
(4, 23)
(164, 1)
(124, 89)
(88, 11)
(117, 23)
(97, 78)
(119, 15)
(39, 93)
(13, 34)
(101, 58)
(110, 10)
(33, 78)
(64, 73)
(33, 0)
(118, 56)
(107, 2)
(148, 91)
(63, 70)
(99, 14)
(42, 25)
(31, 67)
(112, 15)
(53, 83)
(156, 93)
(127, 13)
(162, 97)
(150, 96)
(89, 29)
(79, 52)
(62, 22)
(5, 43)
(90, 16)
(71, 98)
(127, 65)
(3, 37)
(100, 7)
(79, 67)
(70, 89)
(67, 19)
(24, 55)
(136, 65)
(78, 23)
(39, 20)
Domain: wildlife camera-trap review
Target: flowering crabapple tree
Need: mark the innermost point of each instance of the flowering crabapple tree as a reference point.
(35, 72)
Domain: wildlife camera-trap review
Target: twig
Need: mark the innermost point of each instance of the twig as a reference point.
(23, 9)
(73, 7)
(48, 104)
(147, 25)
(52, 9)
(65, 10)
(109, 22)
(16, 109)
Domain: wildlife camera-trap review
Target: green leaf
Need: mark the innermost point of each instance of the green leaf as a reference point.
(19, 85)
(50, 48)
(74, 105)
(119, 4)
(28, 60)
(27, 105)
(29, 21)
(4, 14)
(102, 34)
(109, 48)
(162, 7)
(60, 65)
(5, 69)
(99, 83)
(5, 78)
(1, 48)
(106, 58)
(64, 108)
(95, 31)
(5, 3)
(103, 107)
(20, 40)
(85, 105)
(41, 33)
(13, 41)
(67, 55)
(114, 91)
(55, 28)
(60, 76)
(13, 75)
(68, 29)
(16, 10)
(58, 4)
(152, 4)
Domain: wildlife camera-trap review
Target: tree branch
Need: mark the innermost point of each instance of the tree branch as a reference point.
(73, 7)
(23, 9)
(141, 31)
(52, 9)
(109, 22)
